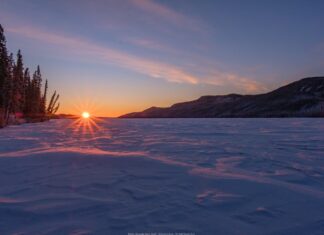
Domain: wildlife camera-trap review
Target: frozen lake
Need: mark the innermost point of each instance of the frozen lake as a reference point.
(203, 176)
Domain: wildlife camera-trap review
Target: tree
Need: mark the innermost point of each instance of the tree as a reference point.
(8, 87)
(43, 101)
(52, 107)
(27, 93)
(18, 92)
(18, 85)
(35, 93)
(4, 76)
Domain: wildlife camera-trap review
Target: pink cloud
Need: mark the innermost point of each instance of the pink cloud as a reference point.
(167, 14)
(149, 44)
(111, 56)
(151, 68)
(236, 81)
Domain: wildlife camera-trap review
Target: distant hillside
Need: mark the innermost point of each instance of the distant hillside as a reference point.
(303, 98)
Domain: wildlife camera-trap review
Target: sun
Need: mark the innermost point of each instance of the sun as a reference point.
(85, 115)
(85, 123)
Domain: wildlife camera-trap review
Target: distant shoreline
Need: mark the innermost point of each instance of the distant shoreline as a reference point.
(303, 98)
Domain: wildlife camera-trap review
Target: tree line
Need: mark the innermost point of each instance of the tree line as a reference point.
(22, 96)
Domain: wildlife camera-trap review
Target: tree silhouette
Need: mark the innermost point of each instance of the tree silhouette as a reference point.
(20, 95)
(4, 77)
(18, 92)
(53, 107)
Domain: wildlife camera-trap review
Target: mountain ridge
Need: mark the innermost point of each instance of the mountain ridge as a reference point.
(302, 98)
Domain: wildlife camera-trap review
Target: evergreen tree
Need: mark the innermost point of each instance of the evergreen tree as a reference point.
(4, 76)
(43, 103)
(38, 91)
(18, 92)
(36, 98)
(9, 87)
(27, 93)
(18, 85)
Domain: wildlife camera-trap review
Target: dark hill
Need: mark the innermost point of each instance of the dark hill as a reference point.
(303, 98)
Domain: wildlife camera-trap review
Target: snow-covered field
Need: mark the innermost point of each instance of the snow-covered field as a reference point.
(202, 176)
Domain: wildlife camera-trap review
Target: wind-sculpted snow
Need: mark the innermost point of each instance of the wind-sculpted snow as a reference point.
(203, 176)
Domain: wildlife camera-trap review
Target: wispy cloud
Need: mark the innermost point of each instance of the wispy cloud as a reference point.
(235, 81)
(151, 68)
(167, 14)
(149, 44)
(111, 56)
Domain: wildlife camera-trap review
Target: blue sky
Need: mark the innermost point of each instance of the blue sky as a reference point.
(115, 57)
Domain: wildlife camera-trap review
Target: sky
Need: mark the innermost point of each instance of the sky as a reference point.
(111, 57)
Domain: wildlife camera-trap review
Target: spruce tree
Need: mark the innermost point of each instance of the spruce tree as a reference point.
(36, 93)
(9, 87)
(18, 85)
(43, 104)
(18, 92)
(27, 93)
(4, 77)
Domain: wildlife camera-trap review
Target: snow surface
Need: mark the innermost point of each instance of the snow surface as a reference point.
(203, 176)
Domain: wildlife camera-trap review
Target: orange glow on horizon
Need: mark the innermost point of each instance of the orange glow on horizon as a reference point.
(108, 107)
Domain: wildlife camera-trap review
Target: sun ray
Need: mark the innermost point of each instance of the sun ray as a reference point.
(85, 124)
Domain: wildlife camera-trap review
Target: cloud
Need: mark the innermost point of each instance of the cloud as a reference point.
(235, 81)
(167, 14)
(111, 56)
(149, 44)
(151, 68)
